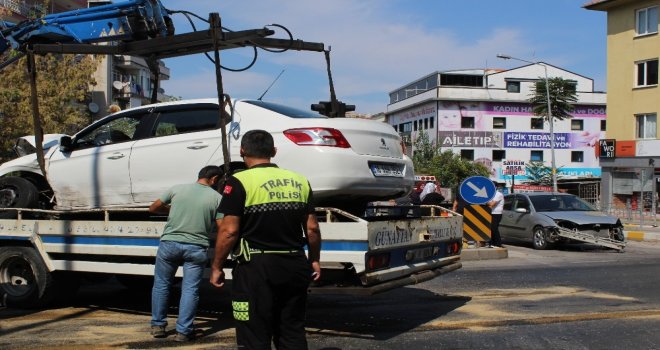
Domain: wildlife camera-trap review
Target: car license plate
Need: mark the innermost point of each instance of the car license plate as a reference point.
(384, 169)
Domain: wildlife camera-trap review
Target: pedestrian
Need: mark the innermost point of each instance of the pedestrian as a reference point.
(459, 202)
(191, 218)
(431, 195)
(268, 219)
(497, 205)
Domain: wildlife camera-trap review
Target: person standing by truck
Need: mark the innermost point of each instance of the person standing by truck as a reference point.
(269, 218)
(191, 214)
(497, 206)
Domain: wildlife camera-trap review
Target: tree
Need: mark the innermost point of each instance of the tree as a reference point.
(62, 88)
(450, 169)
(563, 95)
(539, 174)
(423, 153)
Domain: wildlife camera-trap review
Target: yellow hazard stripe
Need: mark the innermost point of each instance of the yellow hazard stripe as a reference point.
(473, 234)
(484, 214)
(476, 222)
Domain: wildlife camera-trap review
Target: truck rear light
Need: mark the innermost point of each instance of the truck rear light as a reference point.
(378, 261)
(317, 137)
(453, 248)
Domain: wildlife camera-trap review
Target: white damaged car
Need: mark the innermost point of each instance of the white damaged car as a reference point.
(129, 158)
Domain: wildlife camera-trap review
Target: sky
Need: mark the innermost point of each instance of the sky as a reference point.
(378, 46)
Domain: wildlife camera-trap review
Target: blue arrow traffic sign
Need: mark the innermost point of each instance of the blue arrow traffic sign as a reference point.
(477, 190)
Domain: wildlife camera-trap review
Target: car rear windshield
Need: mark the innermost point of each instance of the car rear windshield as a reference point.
(285, 110)
(560, 203)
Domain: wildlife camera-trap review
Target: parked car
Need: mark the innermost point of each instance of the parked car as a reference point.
(536, 217)
(129, 158)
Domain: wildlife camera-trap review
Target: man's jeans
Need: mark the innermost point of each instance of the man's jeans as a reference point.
(170, 256)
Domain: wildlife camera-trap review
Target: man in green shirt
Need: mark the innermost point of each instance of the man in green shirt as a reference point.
(192, 216)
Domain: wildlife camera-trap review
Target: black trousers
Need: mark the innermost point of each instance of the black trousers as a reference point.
(269, 300)
(495, 238)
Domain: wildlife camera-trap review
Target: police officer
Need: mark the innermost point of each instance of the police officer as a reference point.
(269, 218)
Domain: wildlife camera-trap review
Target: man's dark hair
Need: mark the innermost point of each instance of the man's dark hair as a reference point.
(210, 171)
(258, 144)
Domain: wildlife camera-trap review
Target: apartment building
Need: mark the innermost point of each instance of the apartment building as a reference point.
(630, 156)
(484, 115)
(121, 80)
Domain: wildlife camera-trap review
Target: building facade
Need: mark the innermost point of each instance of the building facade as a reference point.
(121, 80)
(485, 116)
(630, 157)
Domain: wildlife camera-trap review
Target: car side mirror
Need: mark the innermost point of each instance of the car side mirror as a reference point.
(66, 144)
(521, 210)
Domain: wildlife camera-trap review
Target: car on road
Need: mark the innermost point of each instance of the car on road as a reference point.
(538, 217)
(129, 158)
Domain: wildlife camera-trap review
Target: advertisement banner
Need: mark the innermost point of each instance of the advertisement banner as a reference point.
(541, 140)
(487, 139)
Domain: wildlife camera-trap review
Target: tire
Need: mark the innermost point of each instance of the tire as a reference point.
(539, 240)
(24, 278)
(17, 192)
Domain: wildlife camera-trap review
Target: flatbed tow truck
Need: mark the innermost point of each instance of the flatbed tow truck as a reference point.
(45, 253)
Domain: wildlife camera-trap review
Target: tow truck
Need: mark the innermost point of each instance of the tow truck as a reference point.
(45, 253)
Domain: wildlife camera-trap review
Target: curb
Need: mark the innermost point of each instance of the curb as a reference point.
(642, 236)
(471, 254)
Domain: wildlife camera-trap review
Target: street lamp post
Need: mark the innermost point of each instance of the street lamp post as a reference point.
(550, 117)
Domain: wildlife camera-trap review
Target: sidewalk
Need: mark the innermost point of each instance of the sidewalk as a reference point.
(468, 254)
(635, 232)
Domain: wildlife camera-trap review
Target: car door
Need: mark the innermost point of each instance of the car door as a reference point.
(182, 140)
(94, 173)
(516, 219)
(506, 224)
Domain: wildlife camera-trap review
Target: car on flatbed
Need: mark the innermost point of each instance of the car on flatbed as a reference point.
(129, 158)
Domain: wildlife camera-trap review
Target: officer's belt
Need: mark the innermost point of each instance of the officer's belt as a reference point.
(265, 251)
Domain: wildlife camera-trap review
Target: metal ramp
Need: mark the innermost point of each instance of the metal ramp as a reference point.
(589, 238)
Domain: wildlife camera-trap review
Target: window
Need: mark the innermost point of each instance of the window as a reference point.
(467, 122)
(537, 123)
(181, 122)
(426, 123)
(467, 154)
(603, 125)
(513, 86)
(647, 73)
(577, 156)
(405, 127)
(499, 123)
(522, 203)
(577, 124)
(415, 125)
(498, 155)
(508, 202)
(431, 122)
(536, 156)
(647, 20)
(646, 126)
(115, 131)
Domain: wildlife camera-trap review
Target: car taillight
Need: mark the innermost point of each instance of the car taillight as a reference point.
(378, 261)
(317, 137)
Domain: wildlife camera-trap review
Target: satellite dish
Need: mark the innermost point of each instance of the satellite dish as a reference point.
(117, 85)
(93, 107)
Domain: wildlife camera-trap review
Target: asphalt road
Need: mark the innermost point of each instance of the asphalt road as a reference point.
(580, 297)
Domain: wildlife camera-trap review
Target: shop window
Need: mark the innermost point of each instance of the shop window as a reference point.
(537, 123)
(536, 156)
(499, 123)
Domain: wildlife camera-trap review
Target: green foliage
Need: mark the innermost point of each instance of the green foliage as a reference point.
(539, 174)
(423, 153)
(562, 97)
(62, 87)
(447, 167)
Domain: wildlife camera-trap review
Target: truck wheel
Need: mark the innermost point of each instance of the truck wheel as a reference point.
(539, 240)
(17, 192)
(24, 278)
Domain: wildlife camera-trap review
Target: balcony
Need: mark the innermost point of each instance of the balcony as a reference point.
(22, 9)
